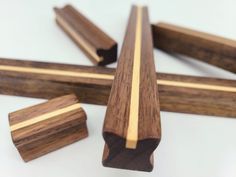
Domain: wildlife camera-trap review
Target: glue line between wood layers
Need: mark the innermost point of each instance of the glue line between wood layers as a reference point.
(111, 77)
(132, 131)
(79, 39)
(44, 117)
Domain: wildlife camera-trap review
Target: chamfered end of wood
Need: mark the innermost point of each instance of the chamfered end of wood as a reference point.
(116, 155)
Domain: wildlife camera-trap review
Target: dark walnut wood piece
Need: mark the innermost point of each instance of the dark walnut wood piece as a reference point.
(132, 128)
(97, 45)
(208, 48)
(46, 127)
(178, 93)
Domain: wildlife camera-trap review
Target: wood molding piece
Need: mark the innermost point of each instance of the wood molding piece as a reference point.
(97, 45)
(178, 93)
(132, 128)
(43, 128)
(208, 48)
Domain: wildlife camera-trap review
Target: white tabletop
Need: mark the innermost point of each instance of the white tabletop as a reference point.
(191, 145)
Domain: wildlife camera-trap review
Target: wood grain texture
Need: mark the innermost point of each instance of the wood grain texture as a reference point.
(36, 138)
(97, 45)
(208, 48)
(173, 98)
(131, 127)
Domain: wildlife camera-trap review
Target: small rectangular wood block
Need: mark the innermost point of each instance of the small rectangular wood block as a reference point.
(97, 45)
(178, 93)
(208, 48)
(132, 129)
(46, 127)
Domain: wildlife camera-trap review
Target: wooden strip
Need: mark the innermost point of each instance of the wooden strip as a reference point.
(206, 47)
(44, 117)
(98, 46)
(48, 126)
(111, 77)
(79, 39)
(178, 93)
(132, 123)
(132, 131)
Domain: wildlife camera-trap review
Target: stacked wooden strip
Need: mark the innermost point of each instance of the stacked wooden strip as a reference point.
(132, 128)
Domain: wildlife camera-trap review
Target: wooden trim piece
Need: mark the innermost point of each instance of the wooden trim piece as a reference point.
(178, 93)
(131, 127)
(98, 46)
(54, 72)
(43, 128)
(206, 47)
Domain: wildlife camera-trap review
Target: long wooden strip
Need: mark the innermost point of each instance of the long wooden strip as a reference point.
(131, 127)
(98, 46)
(206, 47)
(88, 75)
(178, 93)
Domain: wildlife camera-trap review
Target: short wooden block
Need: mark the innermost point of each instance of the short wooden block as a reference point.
(132, 128)
(97, 45)
(206, 47)
(46, 127)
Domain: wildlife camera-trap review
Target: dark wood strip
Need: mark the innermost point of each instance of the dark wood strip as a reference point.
(206, 47)
(96, 91)
(131, 127)
(97, 45)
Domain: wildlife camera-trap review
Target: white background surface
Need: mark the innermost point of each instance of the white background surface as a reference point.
(191, 145)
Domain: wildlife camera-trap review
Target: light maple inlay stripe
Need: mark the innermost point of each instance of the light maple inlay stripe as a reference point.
(132, 131)
(55, 72)
(196, 85)
(44, 117)
(78, 38)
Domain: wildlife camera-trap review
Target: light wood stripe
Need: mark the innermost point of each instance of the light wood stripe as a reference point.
(111, 77)
(132, 131)
(196, 86)
(78, 38)
(55, 72)
(44, 117)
